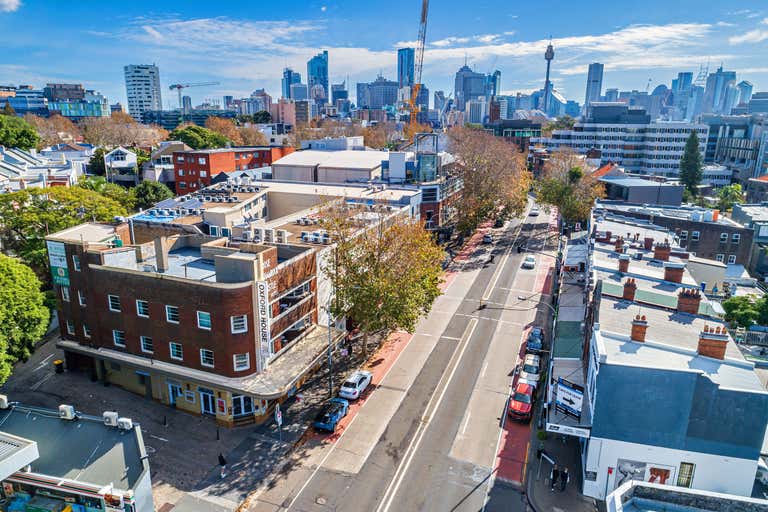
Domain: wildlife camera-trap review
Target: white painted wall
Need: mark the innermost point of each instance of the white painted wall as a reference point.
(713, 473)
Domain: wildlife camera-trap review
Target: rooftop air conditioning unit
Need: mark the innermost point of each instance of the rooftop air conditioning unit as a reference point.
(326, 239)
(282, 236)
(3, 402)
(304, 236)
(124, 423)
(246, 235)
(110, 418)
(232, 199)
(258, 234)
(269, 235)
(67, 412)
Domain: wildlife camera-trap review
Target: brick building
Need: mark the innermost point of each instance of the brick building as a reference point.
(194, 169)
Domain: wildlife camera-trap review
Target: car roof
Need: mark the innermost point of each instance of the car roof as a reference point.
(357, 375)
(523, 387)
(531, 357)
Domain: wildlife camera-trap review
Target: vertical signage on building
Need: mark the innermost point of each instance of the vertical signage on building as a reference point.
(57, 256)
(262, 322)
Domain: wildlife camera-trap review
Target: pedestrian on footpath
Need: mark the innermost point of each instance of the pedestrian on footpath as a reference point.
(564, 477)
(222, 465)
(554, 476)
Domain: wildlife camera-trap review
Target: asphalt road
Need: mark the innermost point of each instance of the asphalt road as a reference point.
(411, 467)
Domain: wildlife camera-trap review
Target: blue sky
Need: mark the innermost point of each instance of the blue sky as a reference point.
(245, 45)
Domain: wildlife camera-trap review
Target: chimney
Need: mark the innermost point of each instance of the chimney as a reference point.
(712, 342)
(637, 237)
(629, 289)
(639, 326)
(623, 263)
(688, 301)
(673, 272)
(161, 254)
(661, 251)
(648, 243)
(608, 235)
(618, 246)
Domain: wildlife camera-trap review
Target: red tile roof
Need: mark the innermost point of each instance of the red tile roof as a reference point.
(604, 170)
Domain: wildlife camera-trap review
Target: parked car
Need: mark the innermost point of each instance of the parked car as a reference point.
(353, 387)
(530, 372)
(331, 413)
(535, 342)
(487, 238)
(534, 211)
(529, 262)
(521, 403)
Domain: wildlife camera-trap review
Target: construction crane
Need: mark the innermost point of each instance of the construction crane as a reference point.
(179, 87)
(416, 87)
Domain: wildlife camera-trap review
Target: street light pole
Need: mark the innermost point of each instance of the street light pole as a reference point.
(330, 351)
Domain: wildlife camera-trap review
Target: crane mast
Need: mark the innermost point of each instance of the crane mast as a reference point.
(416, 87)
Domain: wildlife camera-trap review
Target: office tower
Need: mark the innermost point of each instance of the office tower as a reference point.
(611, 94)
(317, 75)
(377, 94)
(339, 92)
(548, 56)
(64, 92)
(299, 92)
(745, 91)
(477, 110)
(469, 85)
(228, 101)
(683, 82)
(422, 100)
(492, 84)
(439, 101)
(186, 101)
(260, 100)
(594, 83)
(142, 86)
(406, 61)
(290, 77)
(716, 91)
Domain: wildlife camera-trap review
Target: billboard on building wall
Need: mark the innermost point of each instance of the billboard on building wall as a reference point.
(57, 257)
(627, 470)
(569, 398)
(262, 322)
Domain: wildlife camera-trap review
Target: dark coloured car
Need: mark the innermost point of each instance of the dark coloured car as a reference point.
(331, 413)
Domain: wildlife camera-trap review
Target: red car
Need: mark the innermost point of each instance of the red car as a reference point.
(521, 403)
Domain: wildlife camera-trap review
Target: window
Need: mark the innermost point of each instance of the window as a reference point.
(180, 158)
(736, 238)
(683, 236)
(118, 337)
(114, 303)
(70, 327)
(685, 475)
(147, 345)
(172, 314)
(695, 236)
(65, 293)
(80, 298)
(723, 237)
(206, 357)
(203, 174)
(214, 230)
(86, 331)
(720, 257)
(142, 308)
(732, 259)
(225, 232)
(204, 320)
(201, 161)
(239, 324)
(76, 262)
(181, 172)
(182, 184)
(242, 362)
(177, 351)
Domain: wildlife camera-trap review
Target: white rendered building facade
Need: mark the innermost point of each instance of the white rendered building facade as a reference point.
(142, 86)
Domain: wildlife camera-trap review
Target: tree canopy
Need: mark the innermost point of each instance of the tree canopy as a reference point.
(561, 123)
(15, 132)
(198, 137)
(147, 193)
(728, 196)
(495, 178)
(565, 185)
(28, 215)
(691, 164)
(385, 276)
(226, 128)
(121, 195)
(23, 315)
(746, 310)
(120, 129)
(54, 129)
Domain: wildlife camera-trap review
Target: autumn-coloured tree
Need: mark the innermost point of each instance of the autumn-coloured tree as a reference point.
(385, 274)
(411, 129)
(496, 180)
(376, 137)
(251, 136)
(54, 129)
(225, 127)
(120, 129)
(566, 185)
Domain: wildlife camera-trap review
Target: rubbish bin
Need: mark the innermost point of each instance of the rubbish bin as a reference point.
(58, 364)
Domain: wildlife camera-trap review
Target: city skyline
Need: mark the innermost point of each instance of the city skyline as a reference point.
(245, 53)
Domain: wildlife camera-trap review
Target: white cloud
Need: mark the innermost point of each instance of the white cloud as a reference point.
(324, 8)
(9, 5)
(752, 36)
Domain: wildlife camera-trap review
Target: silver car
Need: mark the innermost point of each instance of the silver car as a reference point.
(353, 387)
(531, 370)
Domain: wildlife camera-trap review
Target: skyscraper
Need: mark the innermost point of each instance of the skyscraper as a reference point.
(339, 92)
(548, 56)
(290, 77)
(439, 101)
(468, 85)
(186, 102)
(594, 83)
(612, 95)
(406, 62)
(377, 94)
(299, 92)
(745, 91)
(142, 86)
(716, 95)
(492, 84)
(317, 74)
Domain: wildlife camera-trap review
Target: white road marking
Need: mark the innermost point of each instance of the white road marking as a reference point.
(501, 265)
(43, 363)
(431, 408)
(39, 383)
(466, 422)
(158, 438)
(454, 338)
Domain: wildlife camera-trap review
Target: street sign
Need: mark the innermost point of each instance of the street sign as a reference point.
(278, 416)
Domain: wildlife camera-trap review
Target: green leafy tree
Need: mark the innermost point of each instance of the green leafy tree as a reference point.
(728, 196)
(142, 157)
(565, 185)
(744, 310)
(96, 163)
(117, 193)
(24, 316)
(262, 116)
(147, 193)
(198, 137)
(561, 123)
(384, 276)
(15, 132)
(691, 164)
(28, 216)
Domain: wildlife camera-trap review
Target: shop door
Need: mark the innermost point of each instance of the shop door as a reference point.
(241, 405)
(207, 405)
(174, 392)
